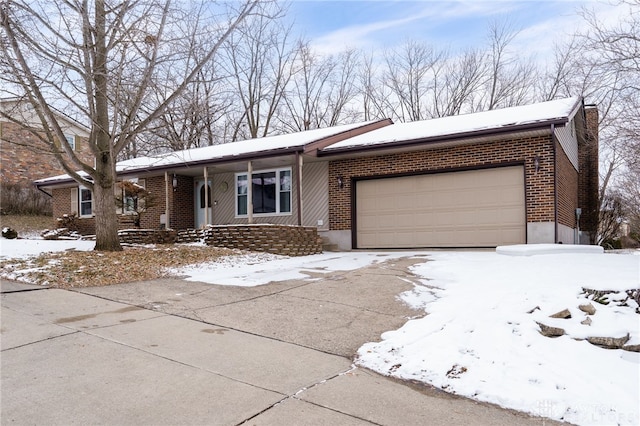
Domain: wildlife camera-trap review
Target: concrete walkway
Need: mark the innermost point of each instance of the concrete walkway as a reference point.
(176, 352)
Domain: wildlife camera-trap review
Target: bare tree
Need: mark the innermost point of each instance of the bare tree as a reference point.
(259, 59)
(508, 76)
(408, 75)
(320, 89)
(101, 59)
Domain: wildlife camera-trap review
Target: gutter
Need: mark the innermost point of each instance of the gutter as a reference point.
(446, 138)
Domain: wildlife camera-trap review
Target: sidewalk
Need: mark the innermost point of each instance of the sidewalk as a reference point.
(172, 352)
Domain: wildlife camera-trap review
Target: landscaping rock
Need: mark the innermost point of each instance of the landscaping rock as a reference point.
(589, 309)
(564, 314)
(9, 233)
(587, 321)
(549, 331)
(631, 348)
(609, 342)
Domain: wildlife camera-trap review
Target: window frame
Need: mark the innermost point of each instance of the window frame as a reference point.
(71, 140)
(278, 176)
(82, 202)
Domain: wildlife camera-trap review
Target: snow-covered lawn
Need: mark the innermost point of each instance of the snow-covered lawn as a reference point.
(22, 248)
(480, 337)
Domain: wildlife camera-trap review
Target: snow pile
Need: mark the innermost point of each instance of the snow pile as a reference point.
(481, 338)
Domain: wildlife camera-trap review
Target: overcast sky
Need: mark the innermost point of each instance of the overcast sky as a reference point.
(334, 25)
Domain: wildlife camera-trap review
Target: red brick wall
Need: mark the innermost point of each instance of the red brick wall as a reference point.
(588, 182)
(182, 213)
(567, 189)
(151, 218)
(539, 185)
(25, 158)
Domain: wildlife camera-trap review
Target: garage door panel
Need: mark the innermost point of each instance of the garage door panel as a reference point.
(477, 208)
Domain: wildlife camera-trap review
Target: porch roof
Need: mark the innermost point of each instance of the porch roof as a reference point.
(474, 126)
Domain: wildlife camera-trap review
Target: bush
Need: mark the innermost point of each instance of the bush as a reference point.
(23, 199)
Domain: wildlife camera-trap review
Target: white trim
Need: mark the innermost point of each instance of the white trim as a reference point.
(80, 202)
(277, 172)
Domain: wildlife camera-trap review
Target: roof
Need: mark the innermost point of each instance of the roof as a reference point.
(369, 135)
(507, 119)
(232, 151)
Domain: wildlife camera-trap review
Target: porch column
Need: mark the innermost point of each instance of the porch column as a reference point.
(299, 186)
(167, 183)
(206, 197)
(249, 193)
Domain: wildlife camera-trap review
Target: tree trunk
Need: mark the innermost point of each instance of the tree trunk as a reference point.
(106, 218)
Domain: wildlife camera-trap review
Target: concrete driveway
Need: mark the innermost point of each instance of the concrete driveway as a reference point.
(176, 352)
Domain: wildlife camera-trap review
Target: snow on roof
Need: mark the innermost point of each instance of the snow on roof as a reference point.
(459, 124)
(236, 149)
(225, 151)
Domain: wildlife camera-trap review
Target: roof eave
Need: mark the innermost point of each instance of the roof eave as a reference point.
(474, 134)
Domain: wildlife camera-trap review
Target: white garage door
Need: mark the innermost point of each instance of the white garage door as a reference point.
(477, 208)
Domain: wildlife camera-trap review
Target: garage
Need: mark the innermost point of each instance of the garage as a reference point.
(474, 208)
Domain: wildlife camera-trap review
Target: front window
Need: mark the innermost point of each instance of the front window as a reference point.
(271, 192)
(71, 140)
(86, 202)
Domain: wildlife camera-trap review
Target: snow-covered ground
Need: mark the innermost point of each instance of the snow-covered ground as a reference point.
(21, 248)
(480, 337)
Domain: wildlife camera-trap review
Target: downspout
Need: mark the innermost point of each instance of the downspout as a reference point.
(555, 184)
(43, 191)
(299, 187)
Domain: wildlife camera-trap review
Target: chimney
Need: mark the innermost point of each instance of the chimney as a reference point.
(589, 179)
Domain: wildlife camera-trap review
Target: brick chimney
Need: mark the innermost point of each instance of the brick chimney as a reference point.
(588, 178)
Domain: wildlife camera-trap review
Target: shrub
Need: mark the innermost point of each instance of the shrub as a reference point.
(24, 199)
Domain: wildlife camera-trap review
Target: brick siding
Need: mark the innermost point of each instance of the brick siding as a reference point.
(567, 189)
(588, 181)
(25, 158)
(539, 185)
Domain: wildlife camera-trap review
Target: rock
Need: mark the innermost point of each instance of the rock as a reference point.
(587, 321)
(588, 309)
(9, 233)
(537, 308)
(631, 348)
(564, 314)
(549, 331)
(609, 342)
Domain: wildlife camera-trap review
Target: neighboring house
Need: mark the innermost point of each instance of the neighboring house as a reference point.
(24, 157)
(507, 176)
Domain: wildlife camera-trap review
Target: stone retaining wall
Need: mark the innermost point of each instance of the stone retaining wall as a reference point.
(147, 236)
(277, 239)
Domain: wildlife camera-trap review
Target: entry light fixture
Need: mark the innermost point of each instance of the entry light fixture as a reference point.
(340, 182)
(175, 182)
(536, 163)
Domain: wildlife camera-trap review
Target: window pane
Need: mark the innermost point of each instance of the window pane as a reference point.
(264, 192)
(242, 184)
(285, 180)
(71, 140)
(202, 196)
(285, 202)
(242, 204)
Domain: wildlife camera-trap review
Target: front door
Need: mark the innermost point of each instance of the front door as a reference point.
(204, 209)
